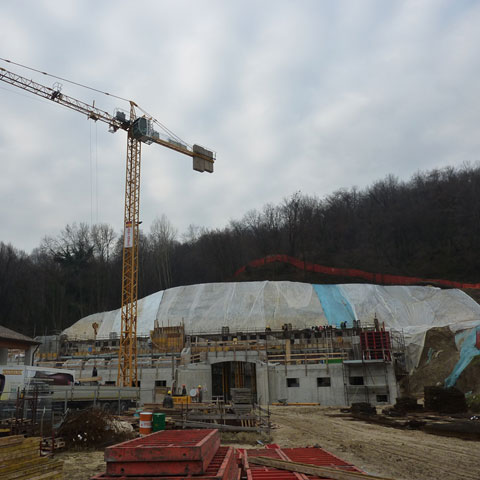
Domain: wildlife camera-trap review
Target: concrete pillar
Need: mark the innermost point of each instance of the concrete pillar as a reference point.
(288, 350)
(29, 355)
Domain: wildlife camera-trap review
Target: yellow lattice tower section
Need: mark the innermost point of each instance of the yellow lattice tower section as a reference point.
(127, 355)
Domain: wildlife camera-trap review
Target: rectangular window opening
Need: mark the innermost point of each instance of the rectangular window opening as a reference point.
(160, 383)
(323, 382)
(382, 398)
(293, 382)
(356, 381)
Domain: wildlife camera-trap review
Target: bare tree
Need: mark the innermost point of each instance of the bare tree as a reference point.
(162, 240)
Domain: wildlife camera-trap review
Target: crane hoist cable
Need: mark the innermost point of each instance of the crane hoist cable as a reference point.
(64, 79)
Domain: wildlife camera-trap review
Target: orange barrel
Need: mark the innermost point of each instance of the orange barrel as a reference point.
(145, 423)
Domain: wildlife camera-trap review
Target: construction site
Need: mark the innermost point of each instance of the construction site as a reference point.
(283, 364)
(344, 374)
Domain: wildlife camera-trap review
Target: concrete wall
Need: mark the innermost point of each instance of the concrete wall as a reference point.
(194, 375)
(273, 384)
(379, 383)
(307, 389)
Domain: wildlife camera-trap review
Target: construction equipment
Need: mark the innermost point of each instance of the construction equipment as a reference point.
(139, 130)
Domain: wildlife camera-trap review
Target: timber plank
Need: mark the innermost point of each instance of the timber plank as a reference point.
(28, 471)
(12, 440)
(23, 455)
(5, 453)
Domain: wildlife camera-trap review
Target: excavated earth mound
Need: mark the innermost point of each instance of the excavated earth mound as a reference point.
(439, 356)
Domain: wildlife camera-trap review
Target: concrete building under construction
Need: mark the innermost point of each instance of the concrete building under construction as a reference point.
(286, 342)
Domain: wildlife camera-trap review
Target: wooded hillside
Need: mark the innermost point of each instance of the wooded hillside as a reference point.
(427, 227)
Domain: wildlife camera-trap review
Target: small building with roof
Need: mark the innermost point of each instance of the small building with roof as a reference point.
(11, 340)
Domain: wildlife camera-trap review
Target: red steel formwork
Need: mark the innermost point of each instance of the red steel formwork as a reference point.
(260, 472)
(319, 457)
(222, 467)
(376, 345)
(169, 452)
(312, 456)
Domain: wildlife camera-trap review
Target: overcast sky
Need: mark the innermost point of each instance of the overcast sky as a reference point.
(309, 96)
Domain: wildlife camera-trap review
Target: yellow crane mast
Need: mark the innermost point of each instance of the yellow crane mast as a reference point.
(139, 130)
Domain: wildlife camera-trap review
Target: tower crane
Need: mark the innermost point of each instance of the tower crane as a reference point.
(139, 130)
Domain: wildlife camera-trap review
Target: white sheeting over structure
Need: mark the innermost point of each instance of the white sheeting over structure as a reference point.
(241, 306)
(250, 306)
(414, 310)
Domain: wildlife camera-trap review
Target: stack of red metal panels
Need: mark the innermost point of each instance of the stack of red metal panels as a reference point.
(172, 455)
(312, 455)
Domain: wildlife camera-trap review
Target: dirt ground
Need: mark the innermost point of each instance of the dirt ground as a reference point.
(398, 454)
(81, 465)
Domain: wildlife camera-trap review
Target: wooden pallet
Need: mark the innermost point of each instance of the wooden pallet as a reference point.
(48, 445)
(58, 442)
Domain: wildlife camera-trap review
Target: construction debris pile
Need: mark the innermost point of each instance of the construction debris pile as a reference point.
(20, 460)
(93, 428)
(444, 413)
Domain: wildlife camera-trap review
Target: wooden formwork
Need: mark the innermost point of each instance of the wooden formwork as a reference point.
(20, 460)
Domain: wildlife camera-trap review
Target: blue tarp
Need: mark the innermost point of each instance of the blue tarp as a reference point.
(467, 352)
(335, 305)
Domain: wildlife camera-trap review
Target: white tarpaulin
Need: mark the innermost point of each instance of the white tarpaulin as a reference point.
(250, 306)
(241, 306)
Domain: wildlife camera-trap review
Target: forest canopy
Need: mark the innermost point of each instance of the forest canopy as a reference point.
(427, 227)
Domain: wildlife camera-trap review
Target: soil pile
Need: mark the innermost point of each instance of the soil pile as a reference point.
(439, 357)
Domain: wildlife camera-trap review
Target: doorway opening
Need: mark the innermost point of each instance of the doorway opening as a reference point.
(228, 375)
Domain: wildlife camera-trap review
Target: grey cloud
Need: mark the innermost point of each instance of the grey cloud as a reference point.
(310, 96)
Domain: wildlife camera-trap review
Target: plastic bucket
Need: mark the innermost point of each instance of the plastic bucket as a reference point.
(145, 423)
(158, 422)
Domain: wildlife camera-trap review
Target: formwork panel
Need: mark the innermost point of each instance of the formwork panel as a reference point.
(260, 472)
(312, 456)
(169, 452)
(317, 456)
(222, 467)
(165, 445)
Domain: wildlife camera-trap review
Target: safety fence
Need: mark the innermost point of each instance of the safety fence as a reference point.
(377, 278)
